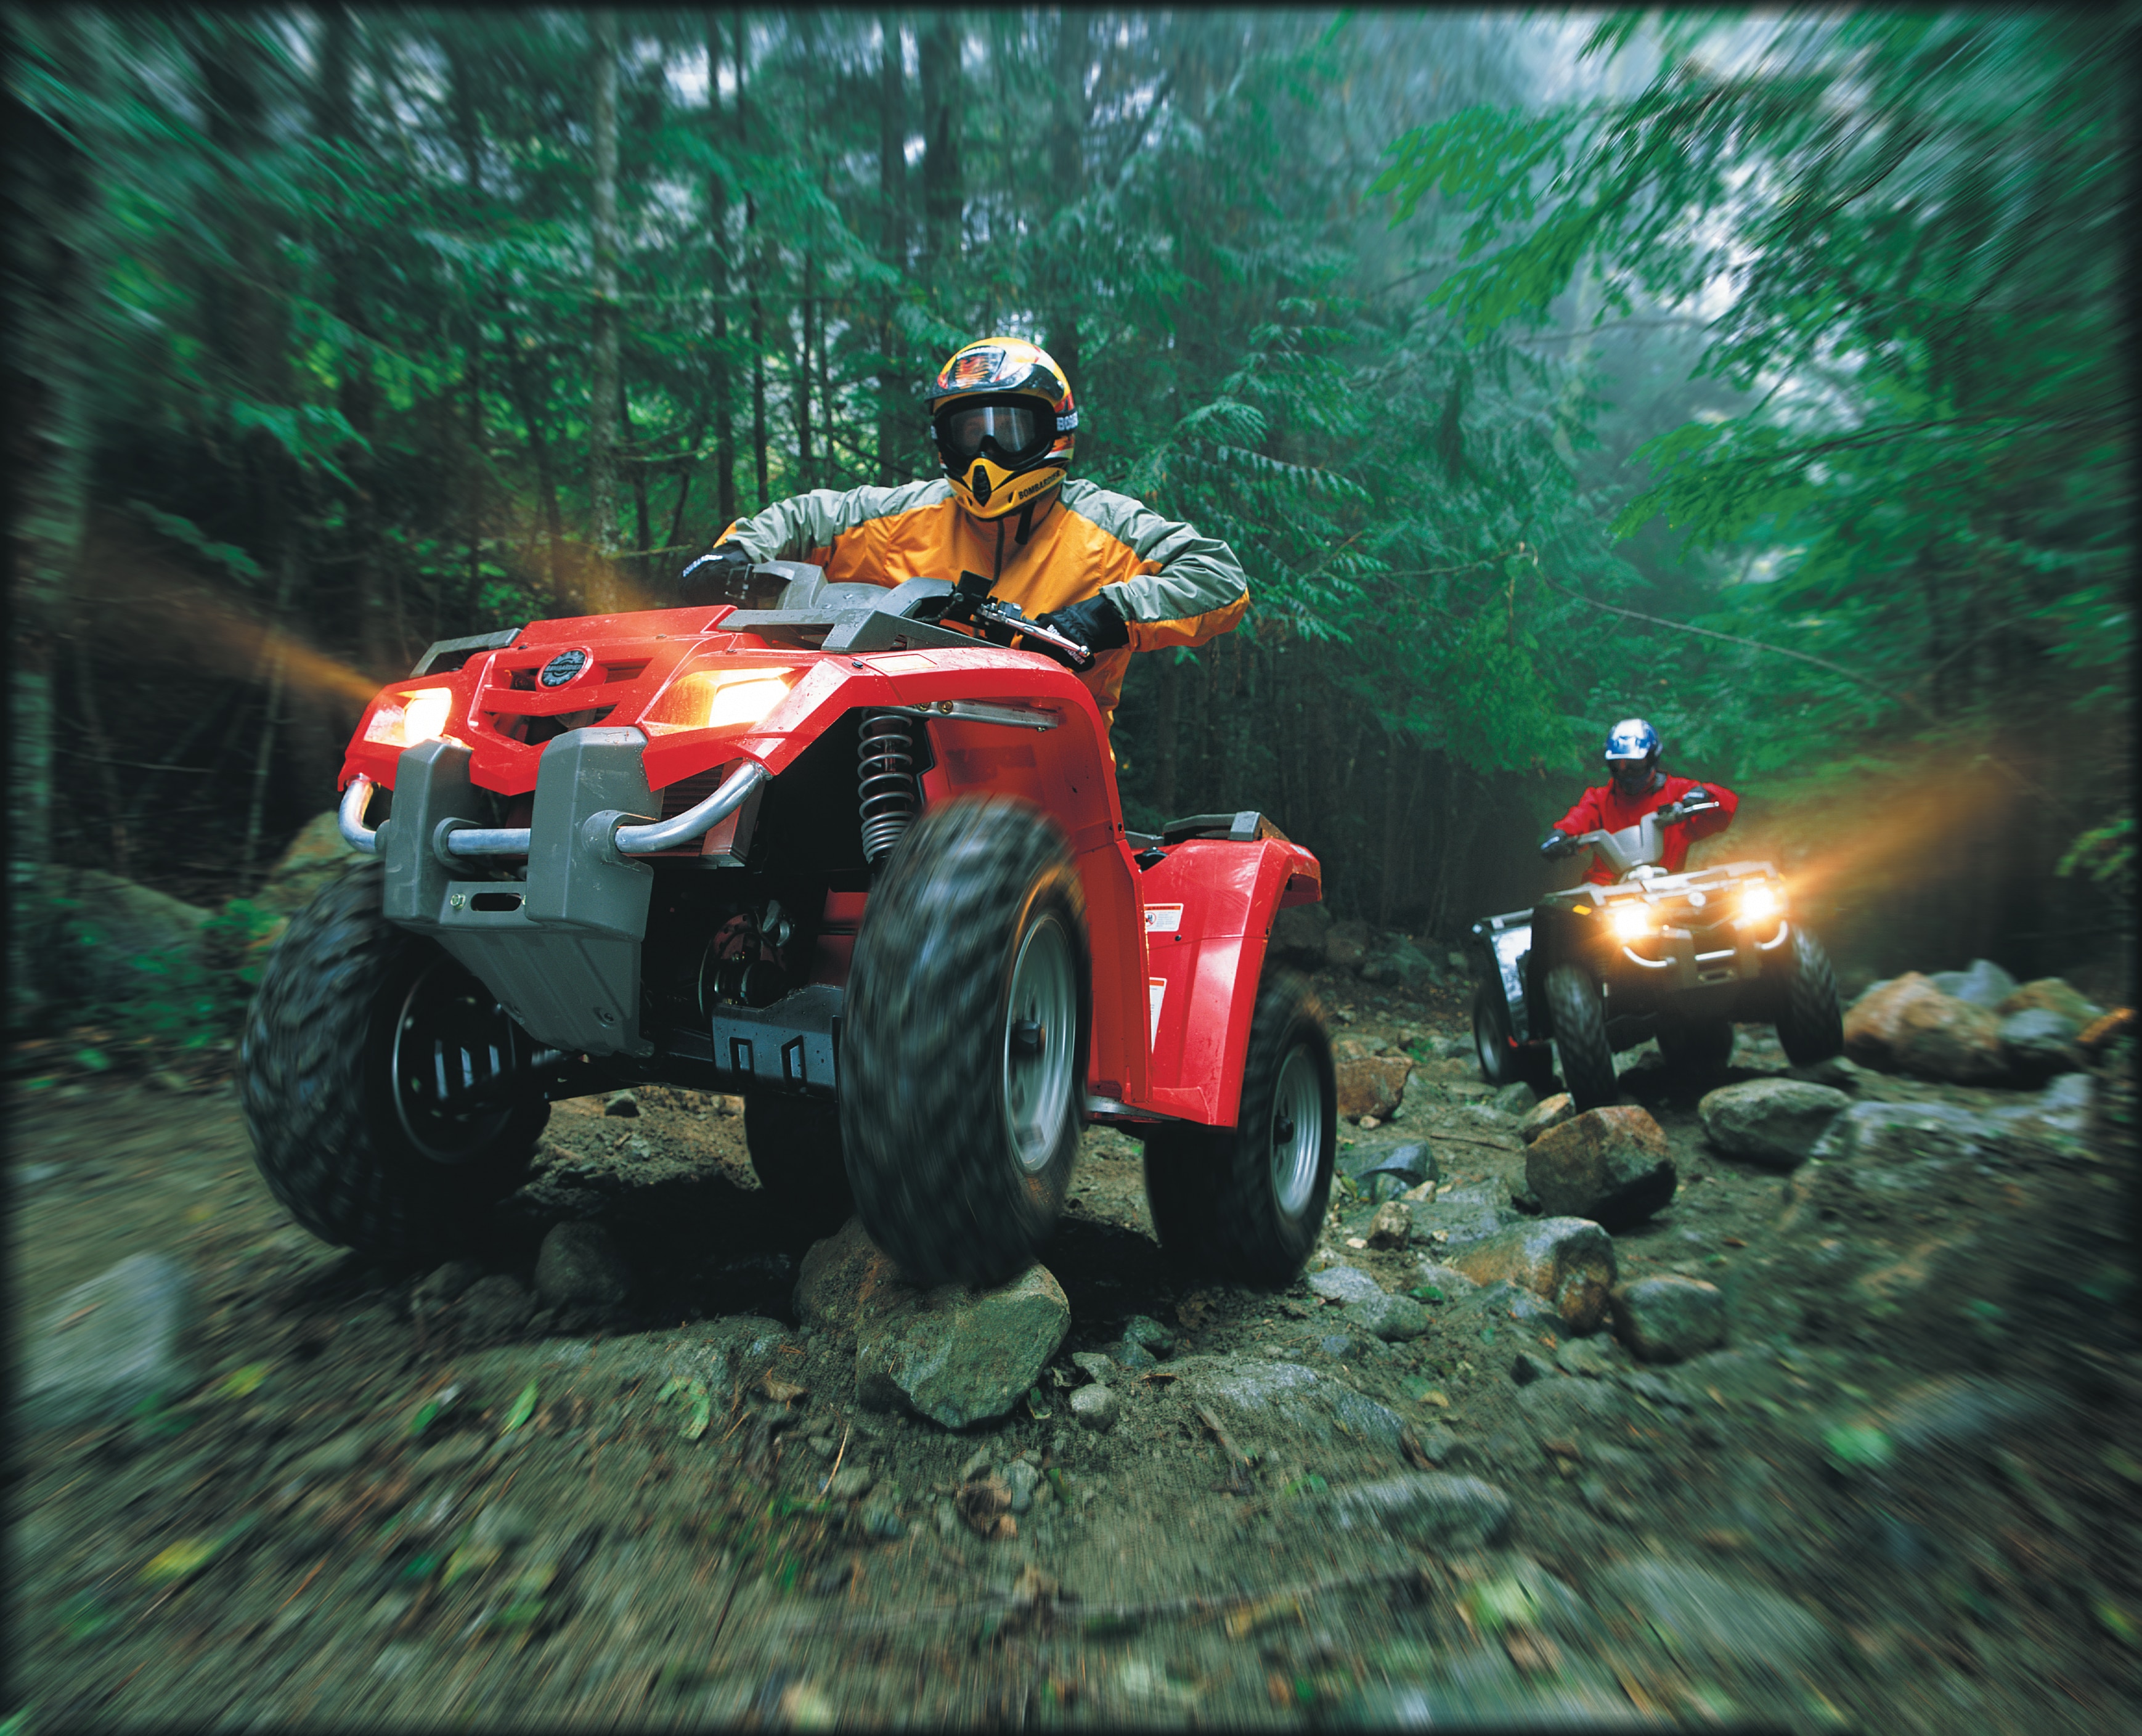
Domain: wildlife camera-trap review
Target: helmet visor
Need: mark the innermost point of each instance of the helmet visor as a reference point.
(1016, 431)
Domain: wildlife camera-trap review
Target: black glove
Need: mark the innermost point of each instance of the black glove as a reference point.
(1696, 793)
(1097, 624)
(1558, 844)
(721, 575)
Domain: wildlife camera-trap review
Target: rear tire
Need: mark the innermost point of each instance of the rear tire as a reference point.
(1580, 1037)
(351, 1014)
(1696, 1046)
(963, 1058)
(795, 1145)
(1810, 1020)
(1248, 1200)
(1502, 1060)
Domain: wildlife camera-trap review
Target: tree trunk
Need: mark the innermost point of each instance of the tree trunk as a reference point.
(894, 440)
(1166, 689)
(718, 226)
(1067, 174)
(800, 386)
(944, 196)
(602, 374)
(546, 482)
(263, 758)
(757, 312)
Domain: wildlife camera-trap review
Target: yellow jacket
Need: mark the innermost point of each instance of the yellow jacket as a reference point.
(1172, 586)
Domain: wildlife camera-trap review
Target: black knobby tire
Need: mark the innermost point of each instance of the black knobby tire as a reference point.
(796, 1147)
(1810, 1018)
(1696, 1045)
(1501, 1060)
(1247, 1201)
(1579, 1019)
(317, 1082)
(962, 1097)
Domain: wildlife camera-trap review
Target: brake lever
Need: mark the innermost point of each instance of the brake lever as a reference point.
(1010, 617)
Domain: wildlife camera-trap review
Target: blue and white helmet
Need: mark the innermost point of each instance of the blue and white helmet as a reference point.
(1631, 739)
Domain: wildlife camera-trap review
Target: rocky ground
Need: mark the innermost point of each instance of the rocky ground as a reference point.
(1876, 1464)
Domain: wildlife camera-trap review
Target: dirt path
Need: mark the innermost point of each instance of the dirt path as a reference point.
(335, 1525)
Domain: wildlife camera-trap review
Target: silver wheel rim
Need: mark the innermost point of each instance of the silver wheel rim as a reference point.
(1481, 1046)
(1297, 1129)
(424, 1043)
(1039, 1042)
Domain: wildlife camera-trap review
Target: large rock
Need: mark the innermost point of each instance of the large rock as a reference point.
(1908, 1024)
(2050, 994)
(1568, 1262)
(1707, 1618)
(1457, 1217)
(1985, 984)
(1274, 1401)
(1371, 1084)
(1368, 1305)
(956, 1355)
(1669, 1319)
(579, 1266)
(1425, 1509)
(834, 1274)
(1612, 1166)
(1869, 1135)
(1772, 1120)
(1347, 944)
(2039, 1043)
(1298, 934)
(1402, 964)
(317, 856)
(114, 924)
(1381, 1173)
(108, 1344)
(1548, 1112)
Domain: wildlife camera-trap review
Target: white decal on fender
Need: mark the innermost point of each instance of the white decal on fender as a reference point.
(1155, 989)
(1162, 918)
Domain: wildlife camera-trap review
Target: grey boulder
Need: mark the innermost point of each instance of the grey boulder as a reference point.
(2039, 1042)
(1368, 1305)
(579, 1266)
(1426, 1509)
(956, 1355)
(1669, 1319)
(1773, 1121)
(109, 1344)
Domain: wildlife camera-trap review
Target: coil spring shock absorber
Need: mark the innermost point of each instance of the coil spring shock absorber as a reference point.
(885, 761)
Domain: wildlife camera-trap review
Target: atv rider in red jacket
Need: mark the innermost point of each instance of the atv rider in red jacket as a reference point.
(1635, 787)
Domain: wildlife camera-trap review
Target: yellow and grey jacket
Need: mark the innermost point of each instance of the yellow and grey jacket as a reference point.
(1172, 586)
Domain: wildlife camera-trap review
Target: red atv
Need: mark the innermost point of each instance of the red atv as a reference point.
(852, 855)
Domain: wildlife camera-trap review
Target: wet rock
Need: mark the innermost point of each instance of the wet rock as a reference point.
(1392, 1227)
(1096, 1365)
(1722, 1622)
(1566, 1262)
(1358, 1414)
(108, 1344)
(956, 1355)
(1612, 1166)
(1346, 945)
(1452, 1282)
(1909, 1025)
(2039, 1043)
(1985, 984)
(316, 857)
(579, 1266)
(2050, 994)
(1774, 1122)
(1439, 1447)
(1549, 1111)
(1371, 1084)
(1144, 1330)
(1401, 964)
(1426, 1509)
(1527, 1366)
(620, 1102)
(1517, 1098)
(1874, 1134)
(1298, 935)
(851, 1483)
(1481, 1689)
(1380, 1173)
(134, 925)
(1669, 1319)
(1132, 1355)
(495, 1307)
(1461, 1217)
(1097, 1408)
(1368, 1305)
(1592, 1358)
(445, 1283)
(835, 1273)
(1022, 1479)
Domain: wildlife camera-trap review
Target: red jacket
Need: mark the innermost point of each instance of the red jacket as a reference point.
(1603, 810)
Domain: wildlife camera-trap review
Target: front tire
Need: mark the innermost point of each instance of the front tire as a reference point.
(1810, 1018)
(353, 1017)
(1580, 1037)
(1502, 1060)
(1248, 1200)
(963, 1058)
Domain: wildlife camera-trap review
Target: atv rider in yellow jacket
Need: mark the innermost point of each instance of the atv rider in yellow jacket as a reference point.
(1098, 567)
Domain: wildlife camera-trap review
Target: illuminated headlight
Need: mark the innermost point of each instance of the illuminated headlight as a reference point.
(418, 716)
(1630, 921)
(1760, 904)
(719, 699)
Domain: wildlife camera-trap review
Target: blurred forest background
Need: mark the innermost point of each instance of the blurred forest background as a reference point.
(1767, 376)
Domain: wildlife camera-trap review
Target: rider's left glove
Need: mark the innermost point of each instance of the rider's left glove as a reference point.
(1695, 792)
(1097, 624)
(721, 575)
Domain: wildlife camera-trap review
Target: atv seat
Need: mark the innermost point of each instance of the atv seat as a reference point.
(1242, 828)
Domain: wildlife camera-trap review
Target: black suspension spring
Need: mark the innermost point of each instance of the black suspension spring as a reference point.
(885, 757)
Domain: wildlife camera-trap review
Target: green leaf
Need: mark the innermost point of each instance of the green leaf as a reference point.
(523, 1408)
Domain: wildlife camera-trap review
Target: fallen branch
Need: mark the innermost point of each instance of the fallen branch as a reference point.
(1205, 1416)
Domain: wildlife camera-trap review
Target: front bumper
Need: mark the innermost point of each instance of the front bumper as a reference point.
(560, 948)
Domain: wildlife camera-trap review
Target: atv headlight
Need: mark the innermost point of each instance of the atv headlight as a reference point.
(404, 719)
(1759, 903)
(719, 699)
(1630, 921)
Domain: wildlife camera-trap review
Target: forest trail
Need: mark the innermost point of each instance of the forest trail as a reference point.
(1903, 1496)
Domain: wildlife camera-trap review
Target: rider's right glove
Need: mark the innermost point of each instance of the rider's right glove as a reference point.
(721, 575)
(1695, 792)
(1557, 844)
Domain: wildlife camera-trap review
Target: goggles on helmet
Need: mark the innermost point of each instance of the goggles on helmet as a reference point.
(1014, 431)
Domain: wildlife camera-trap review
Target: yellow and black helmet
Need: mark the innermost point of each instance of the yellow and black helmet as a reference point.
(1004, 422)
